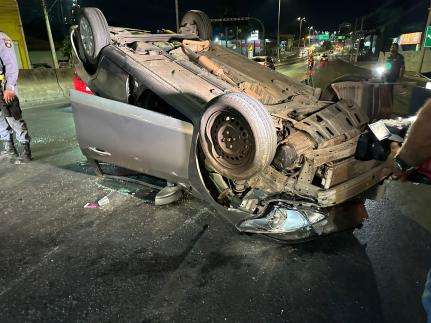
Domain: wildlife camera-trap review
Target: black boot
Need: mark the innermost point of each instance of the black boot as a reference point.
(9, 150)
(25, 153)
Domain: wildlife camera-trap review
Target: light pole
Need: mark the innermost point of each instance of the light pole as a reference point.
(278, 31)
(177, 16)
(301, 20)
(309, 35)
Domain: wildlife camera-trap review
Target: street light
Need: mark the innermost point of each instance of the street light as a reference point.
(278, 31)
(301, 20)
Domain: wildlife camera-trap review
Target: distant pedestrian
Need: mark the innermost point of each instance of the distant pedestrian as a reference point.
(310, 61)
(395, 68)
(395, 65)
(310, 68)
(10, 111)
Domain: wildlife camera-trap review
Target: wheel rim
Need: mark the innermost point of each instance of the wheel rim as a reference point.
(192, 27)
(231, 139)
(86, 36)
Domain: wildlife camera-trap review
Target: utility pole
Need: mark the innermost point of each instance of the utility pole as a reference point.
(359, 40)
(177, 15)
(422, 56)
(48, 29)
(63, 19)
(354, 37)
(278, 32)
(237, 41)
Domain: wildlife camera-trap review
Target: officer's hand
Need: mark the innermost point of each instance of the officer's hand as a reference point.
(397, 174)
(8, 95)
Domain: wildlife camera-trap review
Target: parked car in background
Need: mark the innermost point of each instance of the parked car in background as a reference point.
(260, 148)
(267, 61)
(324, 60)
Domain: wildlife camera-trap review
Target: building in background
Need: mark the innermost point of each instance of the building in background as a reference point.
(10, 23)
(410, 41)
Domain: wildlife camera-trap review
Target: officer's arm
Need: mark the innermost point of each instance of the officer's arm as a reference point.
(417, 148)
(7, 55)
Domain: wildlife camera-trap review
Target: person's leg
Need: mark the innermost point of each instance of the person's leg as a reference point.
(426, 297)
(6, 137)
(21, 133)
(20, 129)
(385, 98)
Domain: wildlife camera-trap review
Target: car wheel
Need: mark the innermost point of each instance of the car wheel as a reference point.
(237, 136)
(328, 94)
(196, 22)
(93, 33)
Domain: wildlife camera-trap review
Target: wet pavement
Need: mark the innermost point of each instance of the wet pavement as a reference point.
(141, 263)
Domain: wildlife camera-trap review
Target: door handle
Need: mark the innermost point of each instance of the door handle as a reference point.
(100, 152)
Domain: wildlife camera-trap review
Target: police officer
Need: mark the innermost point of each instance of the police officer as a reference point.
(10, 111)
(396, 65)
(396, 68)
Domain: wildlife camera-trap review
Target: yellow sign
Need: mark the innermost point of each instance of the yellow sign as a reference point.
(11, 25)
(411, 38)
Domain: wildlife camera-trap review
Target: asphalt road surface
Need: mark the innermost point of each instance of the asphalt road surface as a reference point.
(297, 71)
(132, 261)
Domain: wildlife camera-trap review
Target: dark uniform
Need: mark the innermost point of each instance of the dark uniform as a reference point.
(395, 64)
(394, 68)
(10, 113)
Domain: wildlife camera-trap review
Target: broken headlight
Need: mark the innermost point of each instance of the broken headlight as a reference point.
(281, 218)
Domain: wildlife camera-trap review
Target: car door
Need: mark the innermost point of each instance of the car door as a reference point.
(132, 137)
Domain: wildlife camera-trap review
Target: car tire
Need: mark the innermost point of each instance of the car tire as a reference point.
(237, 136)
(79, 48)
(93, 33)
(196, 22)
(328, 94)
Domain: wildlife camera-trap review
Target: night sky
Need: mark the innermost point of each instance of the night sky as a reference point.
(324, 15)
(321, 14)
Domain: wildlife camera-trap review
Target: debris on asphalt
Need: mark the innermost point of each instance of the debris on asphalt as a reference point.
(91, 205)
(109, 201)
(104, 200)
(145, 194)
(114, 199)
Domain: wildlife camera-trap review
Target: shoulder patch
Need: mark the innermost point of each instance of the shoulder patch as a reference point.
(7, 43)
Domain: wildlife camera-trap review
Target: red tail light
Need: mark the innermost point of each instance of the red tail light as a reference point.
(80, 85)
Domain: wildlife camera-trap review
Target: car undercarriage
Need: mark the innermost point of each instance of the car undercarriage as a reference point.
(265, 147)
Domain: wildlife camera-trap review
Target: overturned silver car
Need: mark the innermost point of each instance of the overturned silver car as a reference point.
(262, 149)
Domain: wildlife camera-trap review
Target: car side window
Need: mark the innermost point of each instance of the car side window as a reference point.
(150, 101)
(111, 81)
